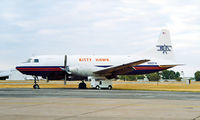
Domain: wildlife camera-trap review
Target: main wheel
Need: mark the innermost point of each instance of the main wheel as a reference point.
(36, 86)
(82, 85)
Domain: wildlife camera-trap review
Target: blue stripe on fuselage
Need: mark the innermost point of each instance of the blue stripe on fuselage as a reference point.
(103, 66)
(139, 72)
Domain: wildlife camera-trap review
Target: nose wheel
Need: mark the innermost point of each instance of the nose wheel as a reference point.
(36, 86)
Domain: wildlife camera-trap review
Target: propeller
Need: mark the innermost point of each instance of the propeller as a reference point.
(65, 67)
(66, 70)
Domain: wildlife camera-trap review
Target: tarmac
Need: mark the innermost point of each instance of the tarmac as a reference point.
(90, 104)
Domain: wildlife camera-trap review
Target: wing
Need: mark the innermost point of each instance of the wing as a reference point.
(121, 69)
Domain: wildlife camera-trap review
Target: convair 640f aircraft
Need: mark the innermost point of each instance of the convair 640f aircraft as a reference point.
(62, 66)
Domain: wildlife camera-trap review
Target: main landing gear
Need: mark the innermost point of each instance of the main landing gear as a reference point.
(82, 85)
(35, 86)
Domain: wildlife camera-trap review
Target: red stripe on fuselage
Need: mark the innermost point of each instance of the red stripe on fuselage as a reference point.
(149, 68)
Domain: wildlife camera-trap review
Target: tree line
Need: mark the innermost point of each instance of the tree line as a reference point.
(165, 74)
(197, 75)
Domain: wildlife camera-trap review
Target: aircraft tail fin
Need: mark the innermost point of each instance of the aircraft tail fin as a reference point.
(163, 48)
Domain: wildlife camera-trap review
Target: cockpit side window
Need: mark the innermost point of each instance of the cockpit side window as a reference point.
(36, 60)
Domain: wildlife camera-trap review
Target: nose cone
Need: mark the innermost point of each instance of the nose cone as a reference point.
(23, 69)
(19, 68)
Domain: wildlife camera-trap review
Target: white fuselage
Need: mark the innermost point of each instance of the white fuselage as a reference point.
(79, 65)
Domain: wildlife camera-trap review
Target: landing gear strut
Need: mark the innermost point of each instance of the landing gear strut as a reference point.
(36, 86)
(82, 85)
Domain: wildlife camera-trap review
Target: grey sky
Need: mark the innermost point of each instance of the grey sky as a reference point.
(97, 27)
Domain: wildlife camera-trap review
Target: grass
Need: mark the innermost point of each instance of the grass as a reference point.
(159, 87)
(120, 85)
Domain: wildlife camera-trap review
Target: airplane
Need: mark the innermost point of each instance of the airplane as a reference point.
(4, 75)
(56, 67)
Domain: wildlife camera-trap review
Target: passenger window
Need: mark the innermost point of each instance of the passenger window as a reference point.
(36, 60)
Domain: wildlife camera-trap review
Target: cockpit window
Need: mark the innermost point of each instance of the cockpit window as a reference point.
(36, 60)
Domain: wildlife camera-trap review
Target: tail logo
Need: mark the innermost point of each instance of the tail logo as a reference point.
(164, 48)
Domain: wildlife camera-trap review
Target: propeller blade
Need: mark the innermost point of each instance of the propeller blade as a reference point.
(65, 67)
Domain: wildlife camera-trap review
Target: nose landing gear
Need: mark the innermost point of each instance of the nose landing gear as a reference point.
(36, 86)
